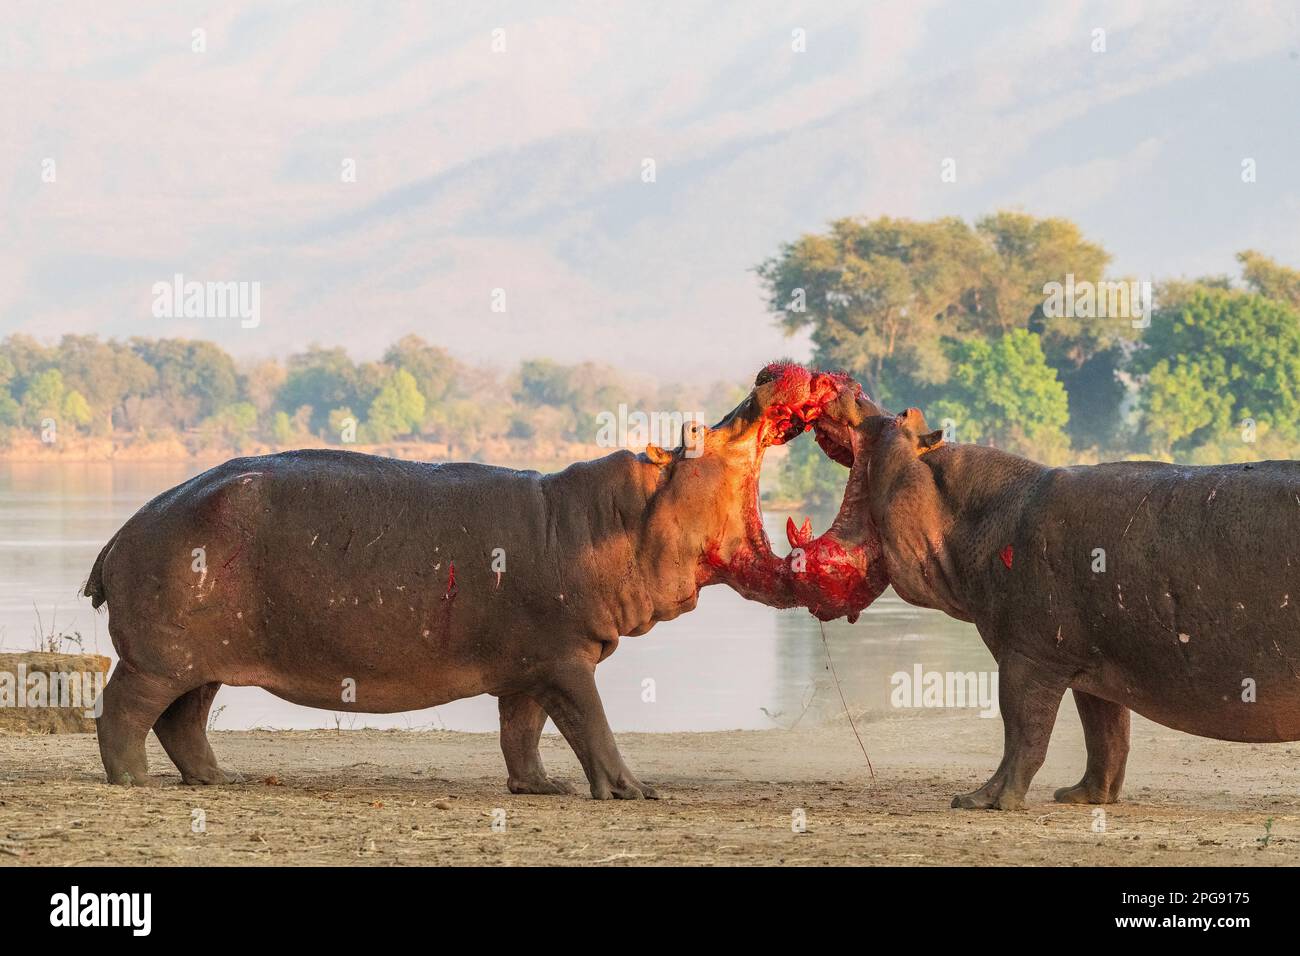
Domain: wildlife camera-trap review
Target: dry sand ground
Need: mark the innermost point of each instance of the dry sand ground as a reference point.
(382, 798)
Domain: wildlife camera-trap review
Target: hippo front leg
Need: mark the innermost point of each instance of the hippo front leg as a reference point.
(1028, 700)
(522, 719)
(1106, 734)
(569, 695)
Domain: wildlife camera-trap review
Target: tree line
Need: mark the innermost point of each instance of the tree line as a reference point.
(157, 388)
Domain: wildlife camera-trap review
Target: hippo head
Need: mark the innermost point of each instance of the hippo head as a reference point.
(846, 567)
(722, 476)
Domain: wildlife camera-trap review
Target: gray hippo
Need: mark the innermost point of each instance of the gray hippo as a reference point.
(350, 582)
(1168, 590)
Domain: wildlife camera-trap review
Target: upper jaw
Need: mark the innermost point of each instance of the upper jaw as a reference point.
(840, 423)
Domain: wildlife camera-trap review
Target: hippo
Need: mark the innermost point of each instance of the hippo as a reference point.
(1168, 590)
(351, 582)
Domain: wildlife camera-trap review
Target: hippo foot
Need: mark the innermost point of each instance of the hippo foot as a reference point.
(210, 778)
(989, 798)
(1085, 792)
(540, 785)
(625, 788)
(127, 779)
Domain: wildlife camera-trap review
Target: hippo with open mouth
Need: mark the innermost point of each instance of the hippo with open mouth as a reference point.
(1169, 590)
(355, 583)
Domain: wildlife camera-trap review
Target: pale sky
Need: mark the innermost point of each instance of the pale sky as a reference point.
(522, 169)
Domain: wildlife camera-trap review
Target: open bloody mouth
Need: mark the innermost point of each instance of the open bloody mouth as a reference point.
(798, 398)
(833, 575)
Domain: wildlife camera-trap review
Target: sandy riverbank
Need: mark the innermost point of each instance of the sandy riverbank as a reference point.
(383, 798)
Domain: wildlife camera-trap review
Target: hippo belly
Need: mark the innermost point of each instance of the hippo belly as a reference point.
(1249, 698)
(1193, 618)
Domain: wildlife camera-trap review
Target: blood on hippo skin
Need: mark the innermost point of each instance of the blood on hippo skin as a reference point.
(823, 574)
(831, 579)
(798, 398)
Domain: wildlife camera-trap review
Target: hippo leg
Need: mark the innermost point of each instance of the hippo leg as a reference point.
(132, 702)
(182, 730)
(1105, 731)
(522, 719)
(569, 695)
(1028, 701)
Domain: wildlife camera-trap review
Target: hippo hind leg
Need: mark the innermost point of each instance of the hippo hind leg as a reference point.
(569, 695)
(522, 720)
(1106, 734)
(130, 704)
(1029, 700)
(182, 730)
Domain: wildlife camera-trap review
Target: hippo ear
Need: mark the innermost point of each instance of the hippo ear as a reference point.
(914, 420)
(693, 434)
(657, 455)
(929, 442)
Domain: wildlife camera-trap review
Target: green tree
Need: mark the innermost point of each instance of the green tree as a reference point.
(10, 411)
(282, 430)
(877, 295)
(195, 379)
(25, 357)
(261, 384)
(435, 372)
(323, 379)
(1269, 278)
(76, 409)
(107, 374)
(43, 397)
(882, 296)
(1214, 359)
(545, 382)
(1026, 254)
(1095, 393)
(1004, 393)
(235, 424)
(563, 401)
(398, 409)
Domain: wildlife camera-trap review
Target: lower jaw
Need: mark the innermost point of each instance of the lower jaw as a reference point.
(833, 579)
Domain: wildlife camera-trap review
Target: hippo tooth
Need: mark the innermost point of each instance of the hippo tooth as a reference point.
(798, 537)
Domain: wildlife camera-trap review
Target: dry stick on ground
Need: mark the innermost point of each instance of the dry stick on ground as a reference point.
(836, 678)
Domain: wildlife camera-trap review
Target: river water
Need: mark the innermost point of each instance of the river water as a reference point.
(730, 664)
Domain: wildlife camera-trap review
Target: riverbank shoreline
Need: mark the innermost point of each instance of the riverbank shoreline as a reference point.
(735, 797)
(193, 449)
(549, 457)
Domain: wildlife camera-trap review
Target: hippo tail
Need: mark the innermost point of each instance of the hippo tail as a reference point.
(94, 588)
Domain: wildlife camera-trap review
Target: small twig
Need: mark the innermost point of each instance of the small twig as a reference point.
(831, 665)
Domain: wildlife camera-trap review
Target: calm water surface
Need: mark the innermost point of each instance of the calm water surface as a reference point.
(730, 664)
